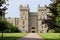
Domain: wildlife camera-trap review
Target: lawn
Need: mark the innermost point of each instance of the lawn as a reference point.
(50, 36)
(12, 36)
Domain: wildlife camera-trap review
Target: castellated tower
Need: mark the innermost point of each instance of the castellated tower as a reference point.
(42, 16)
(32, 22)
(24, 12)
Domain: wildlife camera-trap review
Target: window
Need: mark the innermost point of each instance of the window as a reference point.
(17, 23)
(42, 26)
(23, 22)
(23, 13)
(45, 26)
(42, 13)
(25, 17)
(23, 26)
(21, 16)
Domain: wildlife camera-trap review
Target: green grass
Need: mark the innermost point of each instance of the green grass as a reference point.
(12, 36)
(50, 36)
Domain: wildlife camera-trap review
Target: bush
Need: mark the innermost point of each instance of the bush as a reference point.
(51, 31)
(8, 27)
(7, 31)
(57, 30)
(14, 29)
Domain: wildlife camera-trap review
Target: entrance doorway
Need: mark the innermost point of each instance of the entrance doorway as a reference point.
(33, 31)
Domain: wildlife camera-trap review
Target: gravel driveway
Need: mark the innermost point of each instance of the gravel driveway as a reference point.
(31, 36)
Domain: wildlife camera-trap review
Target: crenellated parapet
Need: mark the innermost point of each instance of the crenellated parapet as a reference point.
(24, 8)
(42, 8)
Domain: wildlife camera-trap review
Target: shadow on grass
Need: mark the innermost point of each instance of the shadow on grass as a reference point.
(20, 38)
(36, 39)
(9, 38)
(52, 39)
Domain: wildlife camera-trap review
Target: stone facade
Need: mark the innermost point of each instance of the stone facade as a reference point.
(14, 21)
(31, 22)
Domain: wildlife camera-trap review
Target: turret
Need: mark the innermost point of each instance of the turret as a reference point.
(24, 8)
(24, 14)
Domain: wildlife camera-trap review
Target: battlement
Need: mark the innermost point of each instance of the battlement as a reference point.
(24, 7)
(41, 8)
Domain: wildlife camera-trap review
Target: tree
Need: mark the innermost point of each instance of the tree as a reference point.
(58, 9)
(55, 10)
(7, 27)
(12, 28)
(58, 16)
(2, 13)
(3, 26)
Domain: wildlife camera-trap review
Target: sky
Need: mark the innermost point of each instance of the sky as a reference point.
(13, 8)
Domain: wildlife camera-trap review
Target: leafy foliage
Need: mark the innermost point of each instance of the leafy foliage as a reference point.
(2, 25)
(7, 27)
(58, 16)
(58, 21)
(55, 10)
(57, 30)
(51, 31)
(58, 9)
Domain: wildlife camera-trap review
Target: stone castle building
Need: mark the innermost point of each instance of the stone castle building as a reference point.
(31, 22)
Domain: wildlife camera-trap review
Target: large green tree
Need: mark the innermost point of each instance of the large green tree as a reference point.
(2, 12)
(58, 16)
(7, 27)
(55, 10)
(3, 26)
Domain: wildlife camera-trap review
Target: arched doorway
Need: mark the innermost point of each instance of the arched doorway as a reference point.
(33, 29)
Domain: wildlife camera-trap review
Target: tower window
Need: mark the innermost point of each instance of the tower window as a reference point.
(23, 22)
(42, 12)
(22, 17)
(23, 13)
(42, 26)
(45, 26)
(17, 22)
(25, 17)
(23, 26)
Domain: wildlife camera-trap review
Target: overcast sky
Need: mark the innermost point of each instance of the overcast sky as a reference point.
(13, 8)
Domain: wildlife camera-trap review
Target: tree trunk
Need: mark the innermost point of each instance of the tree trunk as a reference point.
(2, 33)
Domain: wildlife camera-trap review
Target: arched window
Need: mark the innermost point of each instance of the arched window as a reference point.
(23, 22)
(42, 13)
(23, 13)
(23, 26)
(42, 26)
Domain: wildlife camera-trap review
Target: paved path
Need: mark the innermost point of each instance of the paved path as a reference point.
(31, 36)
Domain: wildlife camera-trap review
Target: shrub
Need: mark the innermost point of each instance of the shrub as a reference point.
(7, 31)
(57, 30)
(51, 31)
(7, 27)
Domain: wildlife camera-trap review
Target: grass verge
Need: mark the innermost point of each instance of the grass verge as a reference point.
(50, 36)
(12, 36)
